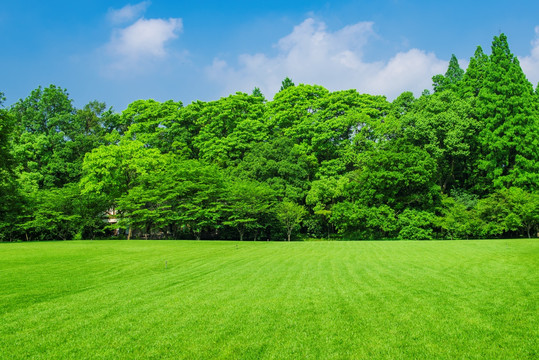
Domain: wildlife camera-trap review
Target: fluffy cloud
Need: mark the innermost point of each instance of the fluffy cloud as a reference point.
(311, 54)
(530, 64)
(127, 13)
(144, 38)
(140, 45)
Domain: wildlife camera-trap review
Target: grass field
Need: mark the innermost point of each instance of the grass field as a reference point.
(315, 300)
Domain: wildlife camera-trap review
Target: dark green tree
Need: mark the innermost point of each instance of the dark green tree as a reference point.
(475, 74)
(510, 136)
(257, 93)
(452, 76)
(286, 83)
(9, 198)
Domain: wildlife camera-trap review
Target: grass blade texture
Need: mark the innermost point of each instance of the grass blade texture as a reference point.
(318, 300)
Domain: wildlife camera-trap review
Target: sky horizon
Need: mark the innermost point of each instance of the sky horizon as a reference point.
(118, 52)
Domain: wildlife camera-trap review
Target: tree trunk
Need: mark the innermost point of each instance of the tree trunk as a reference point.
(129, 233)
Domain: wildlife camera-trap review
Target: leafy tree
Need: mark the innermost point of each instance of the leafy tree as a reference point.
(284, 166)
(40, 147)
(343, 123)
(200, 204)
(149, 121)
(442, 124)
(9, 198)
(290, 108)
(113, 170)
(398, 176)
(248, 205)
(509, 211)
(290, 215)
(323, 195)
(357, 221)
(458, 218)
(229, 127)
(54, 213)
(402, 104)
(415, 224)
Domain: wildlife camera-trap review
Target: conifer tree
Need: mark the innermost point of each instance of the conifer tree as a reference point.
(510, 136)
(452, 76)
(287, 82)
(473, 79)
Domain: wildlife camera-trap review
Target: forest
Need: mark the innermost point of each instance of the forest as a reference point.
(461, 161)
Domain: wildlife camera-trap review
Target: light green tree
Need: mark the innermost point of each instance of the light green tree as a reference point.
(290, 215)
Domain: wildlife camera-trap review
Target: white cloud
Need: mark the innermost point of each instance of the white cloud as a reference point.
(313, 55)
(145, 37)
(530, 64)
(128, 12)
(137, 45)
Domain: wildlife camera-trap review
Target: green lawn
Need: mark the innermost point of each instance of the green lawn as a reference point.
(316, 300)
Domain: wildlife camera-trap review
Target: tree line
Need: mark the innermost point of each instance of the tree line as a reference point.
(461, 161)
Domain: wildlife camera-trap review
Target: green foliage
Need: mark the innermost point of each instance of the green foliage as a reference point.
(284, 166)
(286, 83)
(290, 215)
(149, 122)
(442, 124)
(462, 162)
(356, 221)
(9, 197)
(229, 128)
(248, 205)
(258, 93)
(475, 75)
(52, 214)
(509, 211)
(510, 137)
(452, 77)
(416, 225)
(400, 177)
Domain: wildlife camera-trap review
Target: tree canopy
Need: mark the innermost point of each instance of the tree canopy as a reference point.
(460, 162)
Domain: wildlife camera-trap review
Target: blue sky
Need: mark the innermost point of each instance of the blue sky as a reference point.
(118, 51)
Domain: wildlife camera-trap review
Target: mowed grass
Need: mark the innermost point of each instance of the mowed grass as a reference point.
(244, 300)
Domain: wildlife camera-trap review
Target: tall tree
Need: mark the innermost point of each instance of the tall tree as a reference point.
(113, 170)
(452, 76)
(8, 189)
(510, 137)
(475, 74)
(39, 147)
(442, 124)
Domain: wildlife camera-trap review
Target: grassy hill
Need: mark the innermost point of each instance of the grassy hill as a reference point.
(330, 300)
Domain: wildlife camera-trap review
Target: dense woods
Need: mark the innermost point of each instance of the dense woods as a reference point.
(461, 161)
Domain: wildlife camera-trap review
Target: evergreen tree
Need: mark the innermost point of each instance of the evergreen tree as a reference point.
(258, 93)
(475, 75)
(510, 137)
(287, 82)
(452, 76)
